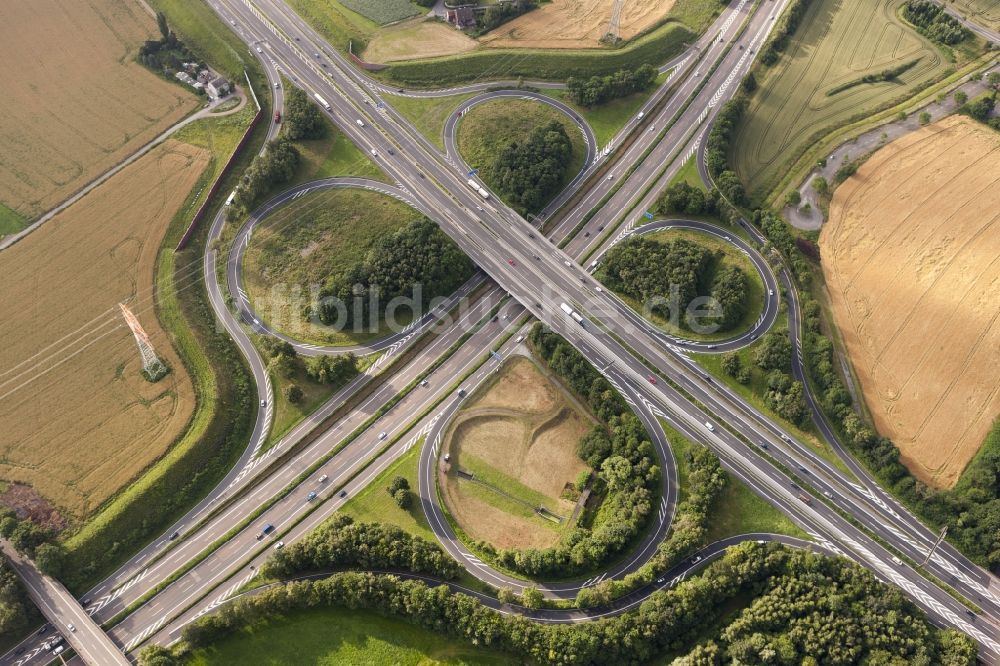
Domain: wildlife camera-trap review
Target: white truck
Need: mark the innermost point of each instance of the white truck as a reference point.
(323, 102)
(476, 187)
(572, 313)
(232, 195)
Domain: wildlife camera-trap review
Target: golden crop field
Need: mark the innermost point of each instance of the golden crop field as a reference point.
(85, 106)
(79, 421)
(574, 24)
(910, 255)
(518, 435)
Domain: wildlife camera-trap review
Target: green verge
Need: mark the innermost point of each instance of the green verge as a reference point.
(608, 118)
(657, 46)
(688, 173)
(737, 509)
(320, 234)
(10, 221)
(204, 33)
(224, 412)
(342, 636)
(755, 391)
(375, 505)
(428, 114)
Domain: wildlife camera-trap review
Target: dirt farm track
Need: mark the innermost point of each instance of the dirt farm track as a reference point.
(911, 257)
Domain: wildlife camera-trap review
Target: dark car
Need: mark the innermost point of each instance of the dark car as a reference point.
(174, 535)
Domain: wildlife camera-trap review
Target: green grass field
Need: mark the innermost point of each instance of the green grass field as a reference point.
(606, 119)
(374, 505)
(489, 127)
(10, 221)
(319, 234)
(689, 174)
(329, 636)
(835, 43)
(737, 510)
(383, 12)
(428, 114)
(755, 391)
(729, 257)
(339, 25)
(333, 155)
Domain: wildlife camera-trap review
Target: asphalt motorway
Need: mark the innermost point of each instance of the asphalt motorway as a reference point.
(505, 233)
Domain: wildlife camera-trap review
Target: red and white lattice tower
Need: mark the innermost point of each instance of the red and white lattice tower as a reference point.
(151, 363)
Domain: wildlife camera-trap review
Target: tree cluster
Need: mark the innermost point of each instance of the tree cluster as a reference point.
(647, 270)
(934, 22)
(340, 542)
(419, 254)
(684, 198)
(705, 480)
(665, 622)
(528, 173)
(599, 89)
(980, 108)
(275, 166)
(33, 541)
(784, 395)
(719, 138)
(776, 231)
(337, 370)
(619, 448)
(498, 14)
(16, 609)
(399, 491)
(729, 289)
(653, 272)
(825, 611)
(302, 119)
(783, 31)
(167, 54)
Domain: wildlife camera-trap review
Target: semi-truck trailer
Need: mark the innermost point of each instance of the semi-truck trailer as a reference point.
(323, 102)
(477, 188)
(572, 313)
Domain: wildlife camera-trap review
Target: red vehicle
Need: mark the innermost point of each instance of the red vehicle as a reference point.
(511, 262)
(652, 379)
(277, 116)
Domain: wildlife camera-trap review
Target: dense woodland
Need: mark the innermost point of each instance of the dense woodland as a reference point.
(668, 276)
(599, 89)
(934, 23)
(17, 612)
(527, 174)
(417, 261)
(341, 542)
(807, 609)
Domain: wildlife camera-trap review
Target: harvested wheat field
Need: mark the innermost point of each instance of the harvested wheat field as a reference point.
(417, 38)
(911, 256)
(79, 421)
(576, 24)
(85, 106)
(518, 437)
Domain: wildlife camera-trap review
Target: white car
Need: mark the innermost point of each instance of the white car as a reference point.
(898, 562)
(323, 478)
(71, 627)
(279, 545)
(382, 435)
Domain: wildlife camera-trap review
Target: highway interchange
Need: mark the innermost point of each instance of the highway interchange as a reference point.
(172, 581)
